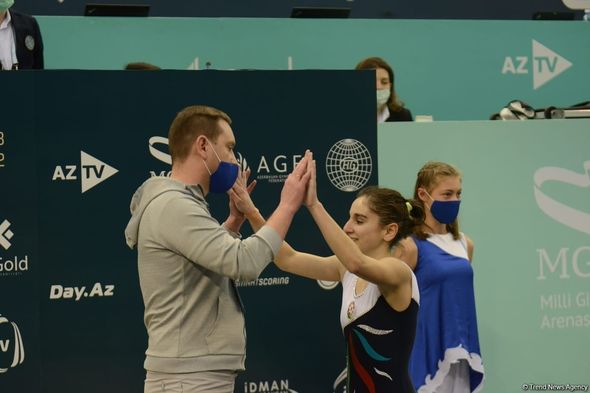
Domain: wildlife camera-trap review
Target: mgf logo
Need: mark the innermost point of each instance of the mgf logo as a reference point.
(546, 64)
(160, 155)
(12, 350)
(553, 207)
(92, 171)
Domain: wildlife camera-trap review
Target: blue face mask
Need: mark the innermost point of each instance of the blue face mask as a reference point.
(224, 177)
(445, 212)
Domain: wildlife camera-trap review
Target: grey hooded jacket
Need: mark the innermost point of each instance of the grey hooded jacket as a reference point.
(187, 263)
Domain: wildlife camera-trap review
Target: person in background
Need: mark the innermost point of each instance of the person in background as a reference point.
(379, 293)
(21, 45)
(446, 357)
(389, 107)
(141, 66)
(188, 263)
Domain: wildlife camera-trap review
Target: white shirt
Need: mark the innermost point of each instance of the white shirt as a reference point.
(355, 305)
(383, 114)
(446, 242)
(7, 46)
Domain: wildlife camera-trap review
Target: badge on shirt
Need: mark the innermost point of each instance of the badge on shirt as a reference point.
(351, 311)
(30, 42)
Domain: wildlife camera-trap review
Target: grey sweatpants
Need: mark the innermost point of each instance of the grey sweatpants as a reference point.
(200, 382)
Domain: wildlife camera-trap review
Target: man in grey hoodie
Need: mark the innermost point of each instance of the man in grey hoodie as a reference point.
(188, 262)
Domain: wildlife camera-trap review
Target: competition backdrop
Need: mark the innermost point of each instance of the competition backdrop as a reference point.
(526, 205)
(74, 145)
(450, 69)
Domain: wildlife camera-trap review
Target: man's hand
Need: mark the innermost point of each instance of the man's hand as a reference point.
(292, 195)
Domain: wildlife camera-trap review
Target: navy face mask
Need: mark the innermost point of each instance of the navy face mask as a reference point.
(445, 212)
(224, 177)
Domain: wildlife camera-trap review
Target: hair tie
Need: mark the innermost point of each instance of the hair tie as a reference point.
(409, 207)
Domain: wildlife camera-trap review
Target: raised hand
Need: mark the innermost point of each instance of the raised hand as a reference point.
(295, 186)
(240, 203)
(311, 195)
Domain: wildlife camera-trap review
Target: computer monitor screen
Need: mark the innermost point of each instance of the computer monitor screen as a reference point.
(117, 10)
(317, 12)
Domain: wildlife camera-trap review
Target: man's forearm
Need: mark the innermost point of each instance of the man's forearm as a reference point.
(233, 224)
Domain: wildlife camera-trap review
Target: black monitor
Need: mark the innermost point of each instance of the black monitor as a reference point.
(117, 10)
(319, 12)
(553, 15)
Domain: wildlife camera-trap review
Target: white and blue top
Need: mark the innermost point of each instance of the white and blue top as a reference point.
(447, 322)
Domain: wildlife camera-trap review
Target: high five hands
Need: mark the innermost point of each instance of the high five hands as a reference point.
(311, 195)
(299, 188)
(296, 190)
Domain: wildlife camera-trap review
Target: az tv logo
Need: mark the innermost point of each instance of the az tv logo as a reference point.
(92, 171)
(546, 64)
(12, 350)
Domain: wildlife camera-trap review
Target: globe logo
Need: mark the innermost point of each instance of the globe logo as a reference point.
(349, 165)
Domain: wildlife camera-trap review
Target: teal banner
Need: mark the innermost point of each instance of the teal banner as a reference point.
(526, 205)
(74, 146)
(448, 69)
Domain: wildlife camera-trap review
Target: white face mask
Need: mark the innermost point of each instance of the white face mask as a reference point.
(5, 4)
(382, 97)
